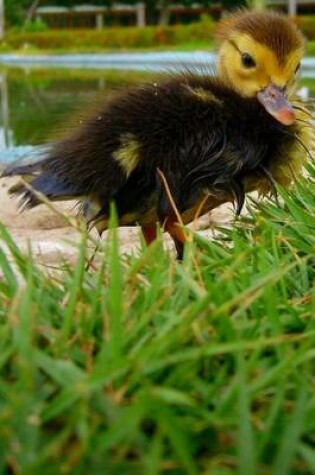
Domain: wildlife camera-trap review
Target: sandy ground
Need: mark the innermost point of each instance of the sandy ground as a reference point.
(53, 240)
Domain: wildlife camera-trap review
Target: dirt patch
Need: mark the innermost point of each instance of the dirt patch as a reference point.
(53, 240)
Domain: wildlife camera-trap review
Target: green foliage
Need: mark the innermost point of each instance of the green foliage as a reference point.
(307, 25)
(35, 26)
(113, 38)
(195, 35)
(14, 12)
(232, 4)
(146, 365)
(15, 9)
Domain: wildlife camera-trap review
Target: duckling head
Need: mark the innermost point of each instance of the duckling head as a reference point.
(259, 56)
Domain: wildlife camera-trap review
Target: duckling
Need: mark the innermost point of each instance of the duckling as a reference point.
(169, 151)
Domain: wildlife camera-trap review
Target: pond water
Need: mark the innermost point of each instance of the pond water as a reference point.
(36, 103)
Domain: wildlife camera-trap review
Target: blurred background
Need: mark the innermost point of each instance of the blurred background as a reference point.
(58, 57)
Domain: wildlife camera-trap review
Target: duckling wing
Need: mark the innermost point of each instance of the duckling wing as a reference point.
(70, 169)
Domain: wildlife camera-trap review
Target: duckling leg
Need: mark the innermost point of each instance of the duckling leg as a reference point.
(168, 213)
(172, 226)
(149, 232)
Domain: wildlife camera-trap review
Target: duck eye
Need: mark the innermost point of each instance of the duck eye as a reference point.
(297, 68)
(248, 61)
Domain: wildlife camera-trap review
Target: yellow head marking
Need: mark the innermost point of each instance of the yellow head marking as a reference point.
(264, 69)
(127, 155)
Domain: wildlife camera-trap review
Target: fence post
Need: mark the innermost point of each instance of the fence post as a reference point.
(99, 21)
(292, 8)
(140, 6)
(1, 19)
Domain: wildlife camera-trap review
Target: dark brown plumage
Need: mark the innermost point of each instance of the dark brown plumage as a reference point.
(209, 140)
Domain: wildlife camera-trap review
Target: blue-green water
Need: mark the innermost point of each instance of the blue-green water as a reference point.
(37, 104)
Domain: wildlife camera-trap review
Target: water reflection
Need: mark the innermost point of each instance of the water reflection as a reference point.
(36, 103)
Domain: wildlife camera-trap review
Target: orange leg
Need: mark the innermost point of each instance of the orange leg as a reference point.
(177, 234)
(168, 210)
(171, 226)
(149, 232)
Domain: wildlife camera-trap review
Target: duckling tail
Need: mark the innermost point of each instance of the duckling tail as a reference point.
(36, 181)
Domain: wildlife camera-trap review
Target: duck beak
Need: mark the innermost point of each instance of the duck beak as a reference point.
(276, 104)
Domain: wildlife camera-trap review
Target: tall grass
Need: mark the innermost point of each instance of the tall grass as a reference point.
(143, 365)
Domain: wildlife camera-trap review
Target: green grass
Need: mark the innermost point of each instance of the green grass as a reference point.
(310, 48)
(143, 365)
(30, 50)
(185, 45)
